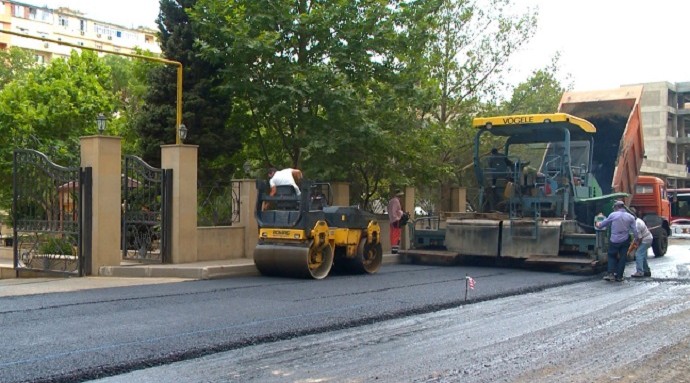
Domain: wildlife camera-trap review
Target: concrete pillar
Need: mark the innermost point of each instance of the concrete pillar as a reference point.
(104, 155)
(183, 159)
(341, 193)
(248, 197)
(408, 206)
(458, 199)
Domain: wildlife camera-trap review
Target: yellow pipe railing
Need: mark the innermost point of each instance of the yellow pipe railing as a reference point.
(178, 119)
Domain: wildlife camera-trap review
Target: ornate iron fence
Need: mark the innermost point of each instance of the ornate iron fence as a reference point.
(146, 211)
(51, 215)
(218, 203)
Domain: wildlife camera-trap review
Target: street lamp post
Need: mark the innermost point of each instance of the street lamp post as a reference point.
(101, 121)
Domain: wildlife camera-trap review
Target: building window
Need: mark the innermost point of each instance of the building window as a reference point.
(101, 29)
(46, 16)
(63, 21)
(40, 15)
(40, 59)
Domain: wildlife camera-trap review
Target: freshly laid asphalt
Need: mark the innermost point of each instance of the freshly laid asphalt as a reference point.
(133, 275)
(146, 274)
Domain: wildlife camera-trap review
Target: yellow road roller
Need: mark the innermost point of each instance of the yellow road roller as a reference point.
(301, 236)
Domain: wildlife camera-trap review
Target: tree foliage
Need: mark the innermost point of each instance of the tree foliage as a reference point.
(206, 107)
(15, 63)
(49, 108)
(379, 93)
(540, 93)
(463, 67)
(129, 79)
(328, 86)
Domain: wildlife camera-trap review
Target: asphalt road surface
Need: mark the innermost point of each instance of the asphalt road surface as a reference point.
(408, 323)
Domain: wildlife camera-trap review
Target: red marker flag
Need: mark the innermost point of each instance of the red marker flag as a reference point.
(470, 282)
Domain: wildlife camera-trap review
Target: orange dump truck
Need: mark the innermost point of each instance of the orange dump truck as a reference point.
(618, 154)
(618, 142)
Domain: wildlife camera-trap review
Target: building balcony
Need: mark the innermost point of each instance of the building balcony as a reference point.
(682, 140)
(664, 169)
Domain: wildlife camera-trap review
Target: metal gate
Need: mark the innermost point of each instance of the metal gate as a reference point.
(51, 215)
(146, 212)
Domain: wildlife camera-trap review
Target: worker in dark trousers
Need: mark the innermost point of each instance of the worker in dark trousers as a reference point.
(622, 224)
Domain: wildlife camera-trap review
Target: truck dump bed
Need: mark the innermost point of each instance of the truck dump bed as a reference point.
(618, 143)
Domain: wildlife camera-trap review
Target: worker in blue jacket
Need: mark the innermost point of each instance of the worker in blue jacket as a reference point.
(622, 224)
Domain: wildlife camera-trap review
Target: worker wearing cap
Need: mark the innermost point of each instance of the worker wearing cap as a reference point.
(622, 224)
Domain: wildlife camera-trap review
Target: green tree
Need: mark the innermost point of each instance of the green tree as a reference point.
(465, 63)
(130, 86)
(49, 108)
(540, 93)
(321, 85)
(206, 106)
(16, 62)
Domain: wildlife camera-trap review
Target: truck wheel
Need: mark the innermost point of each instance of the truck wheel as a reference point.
(660, 244)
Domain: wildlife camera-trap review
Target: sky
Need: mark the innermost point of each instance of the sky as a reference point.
(603, 43)
(128, 13)
(608, 43)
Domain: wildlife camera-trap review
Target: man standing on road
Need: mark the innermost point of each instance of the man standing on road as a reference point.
(395, 213)
(622, 224)
(643, 245)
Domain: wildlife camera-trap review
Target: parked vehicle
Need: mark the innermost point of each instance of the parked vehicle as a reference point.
(680, 212)
(679, 200)
(680, 228)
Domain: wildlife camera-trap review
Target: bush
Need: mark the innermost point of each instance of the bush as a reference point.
(56, 245)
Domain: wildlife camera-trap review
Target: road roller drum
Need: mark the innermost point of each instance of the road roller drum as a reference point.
(293, 260)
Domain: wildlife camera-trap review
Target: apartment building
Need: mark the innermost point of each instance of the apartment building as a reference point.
(69, 26)
(665, 111)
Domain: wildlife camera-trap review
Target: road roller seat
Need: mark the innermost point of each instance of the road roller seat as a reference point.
(286, 198)
(351, 217)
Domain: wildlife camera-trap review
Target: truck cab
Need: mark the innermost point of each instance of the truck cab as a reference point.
(652, 203)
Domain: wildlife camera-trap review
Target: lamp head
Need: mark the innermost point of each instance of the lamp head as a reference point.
(101, 121)
(183, 132)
